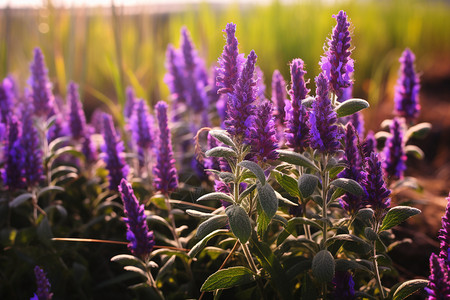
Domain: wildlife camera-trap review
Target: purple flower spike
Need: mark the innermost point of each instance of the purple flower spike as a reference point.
(43, 286)
(324, 134)
(141, 125)
(344, 286)
(262, 133)
(444, 234)
(88, 148)
(40, 85)
(394, 153)
(439, 285)
(297, 127)
(348, 201)
(12, 172)
(77, 119)
(166, 178)
(377, 195)
(6, 100)
(407, 89)
(113, 153)
(279, 95)
(140, 238)
(337, 63)
(130, 101)
(370, 144)
(240, 105)
(230, 62)
(174, 77)
(260, 86)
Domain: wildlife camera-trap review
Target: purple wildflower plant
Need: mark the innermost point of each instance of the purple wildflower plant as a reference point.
(439, 281)
(140, 238)
(113, 153)
(444, 234)
(394, 154)
(130, 100)
(174, 77)
(6, 100)
(260, 86)
(141, 123)
(344, 286)
(297, 127)
(77, 119)
(406, 97)
(324, 132)
(279, 95)
(337, 64)
(370, 144)
(41, 87)
(166, 178)
(43, 285)
(13, 154)
(240, 104)
(88, 148)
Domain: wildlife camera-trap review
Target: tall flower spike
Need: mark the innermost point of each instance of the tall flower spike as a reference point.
(88, 148)
(166, 178)
(262, 134)
(6, 100)
(370, 144)
(13, 155)
(140, 238)
(439, 282)
(406, 97)
(377, 195)
(444, 234)
(394, 153)
(260, 86)
(174, 77)
(297, 128)
(337, 63)
(279, 95)
(141, 125)
(43, 286)
(240, 105)
(77, 119)
(40, 85)
(230, 62)
(113, 153)
(130, 98)
(344, 286)
(324, 134)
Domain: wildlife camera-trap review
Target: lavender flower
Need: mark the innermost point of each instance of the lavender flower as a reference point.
(369, 145)
(262, 134)
(113, 153)
(348, 201)
(43, 286)
(129, 103)
(40, 85)
(439, 285)
(260, 86)
(240, 106)
(165, 172)
(377, 195)
(222, 187)
(140, 238)
(324, 134)
(444, 234)
(87, 148)
(407, 89)
(297, 129)
(6, 100)
(337, 63)
(77, 119)
(230, 62)
(174, 77)
(344, 286)
(394, 153)
(59, 128)
(279, 95)
(141, 125)
(13, 152)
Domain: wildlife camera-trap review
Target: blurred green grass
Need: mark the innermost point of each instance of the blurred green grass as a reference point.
(106, 50)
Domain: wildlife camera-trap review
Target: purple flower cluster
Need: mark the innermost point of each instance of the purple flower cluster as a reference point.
(439, 281)
(13, 154)
(337, 63)
(141, 125)
(297, 127)
(377, 194)
(77, 119)
(344, 286)
(130, 100)
(174, 78)
(87, 147)
(407, 89)
(166, 178)
(140, 238)
(324, 132)
(113, 153)
(444, 234)
(279, 95)
(394, 153)
(369, 145)
(41, 87)
(6, 100)
(43, 286)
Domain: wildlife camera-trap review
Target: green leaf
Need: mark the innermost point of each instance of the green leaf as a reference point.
(135, 270)
(307, 184)
(299, 268)
(323, 266)
(365, 214)
(239, 222)
(201, 244)
(408, 288)
(127, 259)
(351, 106)
(227, 177)
(222, 136)
(296, 159)
(302, 220)
(227, 278)
(247, 192)
(170, 252)
(348, 238)
(414, 151)
(346, 264)
(255, 169)
(263, 221)
(57, 142)
(288, 183)
(49, 189)
(216, 196)
(199, 214)
(418, 131)
(268, 200)
(44, 231)
(221, 152)
(348, 185)
(214, 223)
(20, 199)
(397, 215)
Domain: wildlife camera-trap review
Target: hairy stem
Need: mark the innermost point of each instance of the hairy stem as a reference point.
(375, 266)
(325, 178)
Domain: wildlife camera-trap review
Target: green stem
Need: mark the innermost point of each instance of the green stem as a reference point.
(325, 178)
(252, 265)
(306, 227)
(375, 266)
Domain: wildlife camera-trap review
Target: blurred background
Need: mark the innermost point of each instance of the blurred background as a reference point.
(105, 46)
